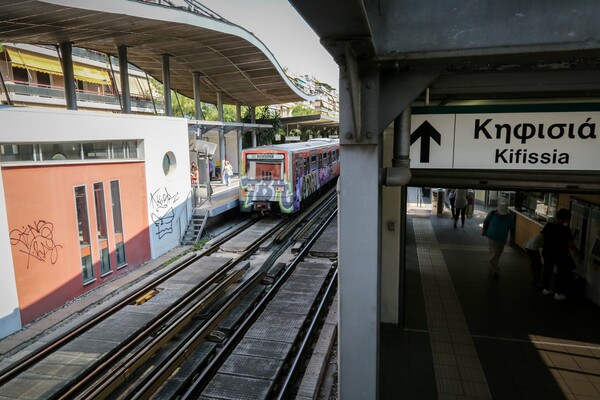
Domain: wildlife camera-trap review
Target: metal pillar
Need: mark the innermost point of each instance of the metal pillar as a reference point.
(391, 222)
(66, 53)
(222, 151)
(220, 106)
(197, 106)
(253, 120)
(239, 131)
(359, 236)
(166, 69)
(124, 75)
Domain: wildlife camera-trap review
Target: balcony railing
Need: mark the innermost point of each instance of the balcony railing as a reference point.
(35, 90)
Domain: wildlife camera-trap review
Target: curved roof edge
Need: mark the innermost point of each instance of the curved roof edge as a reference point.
(145, 16)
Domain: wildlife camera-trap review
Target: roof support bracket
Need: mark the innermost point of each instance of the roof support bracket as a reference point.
(361, 88)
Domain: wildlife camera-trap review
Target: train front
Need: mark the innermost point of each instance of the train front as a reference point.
(265, 185)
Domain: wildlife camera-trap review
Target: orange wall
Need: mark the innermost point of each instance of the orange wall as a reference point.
(46, 193)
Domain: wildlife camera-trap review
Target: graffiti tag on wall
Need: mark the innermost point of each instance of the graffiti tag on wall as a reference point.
(37, 241)
(161, 203)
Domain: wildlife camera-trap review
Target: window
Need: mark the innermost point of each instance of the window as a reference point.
(121, 150)
(115, 195)
(87, 270)
(325, 159)
(102, 228)
(313, 163)
(69, 151)
(95, 150)
(265, 170)
(299, 166)
(169, 163)
(61, 151)
(16, 152)
(43, 78)
(20, 76)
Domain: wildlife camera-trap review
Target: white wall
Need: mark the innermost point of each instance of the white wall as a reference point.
(167, 196)
(10, 318)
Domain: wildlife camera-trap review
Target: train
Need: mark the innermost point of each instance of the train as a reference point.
(282, 178)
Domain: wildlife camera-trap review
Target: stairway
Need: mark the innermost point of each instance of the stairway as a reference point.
(194, 229)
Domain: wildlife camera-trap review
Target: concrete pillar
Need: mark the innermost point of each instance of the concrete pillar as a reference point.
(359, 239)
(166, 70)
(66, 53)
(197, 105)
(124, 75)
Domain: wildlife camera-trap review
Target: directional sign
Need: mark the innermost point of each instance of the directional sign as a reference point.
(432, 141)
(425, 132)
(528, 140)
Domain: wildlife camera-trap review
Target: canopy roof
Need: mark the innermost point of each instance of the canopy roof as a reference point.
(229, 58)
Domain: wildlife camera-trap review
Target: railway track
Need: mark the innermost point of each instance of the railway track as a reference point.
(201, 312)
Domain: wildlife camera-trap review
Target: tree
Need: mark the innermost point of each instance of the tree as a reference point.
(264, 115)
(184, 106)
(300, 109)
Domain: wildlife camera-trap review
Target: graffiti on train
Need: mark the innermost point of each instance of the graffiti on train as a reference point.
(308, 184)
(36, 240)
(162, 213)
(273, 191)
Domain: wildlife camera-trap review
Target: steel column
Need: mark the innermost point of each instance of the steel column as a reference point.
(253, 120)
(359, 240)
(222, 151)
(197, 105)
(166, 70)
(124, 75)
(220, 106)
(66, 54)
(239, 131)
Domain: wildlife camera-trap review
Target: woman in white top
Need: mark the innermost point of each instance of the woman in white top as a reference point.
(228, 172)
(460, 206)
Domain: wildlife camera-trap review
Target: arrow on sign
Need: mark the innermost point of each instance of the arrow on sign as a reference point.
(425, 132)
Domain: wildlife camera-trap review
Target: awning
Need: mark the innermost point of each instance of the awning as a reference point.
(91, 74)
(41, 63)
(137, 86)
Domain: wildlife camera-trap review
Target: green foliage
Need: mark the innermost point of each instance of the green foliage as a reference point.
(300, 109)
(201, 242)
(183, 106)
(264, 115)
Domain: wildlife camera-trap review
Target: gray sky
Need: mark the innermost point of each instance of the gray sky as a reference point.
(277, 24)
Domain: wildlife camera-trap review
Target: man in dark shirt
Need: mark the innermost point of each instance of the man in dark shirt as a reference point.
(558, 244)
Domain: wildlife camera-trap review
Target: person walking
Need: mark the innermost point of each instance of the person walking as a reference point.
(558, 244)
(228, 172)
(460, 205)
(451, 199)
(533, 247)
(496, 226)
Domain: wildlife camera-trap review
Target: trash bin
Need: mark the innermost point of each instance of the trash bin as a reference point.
(438, 197)
(470, 202)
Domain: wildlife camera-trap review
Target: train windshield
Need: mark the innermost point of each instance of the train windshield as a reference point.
(265, 167)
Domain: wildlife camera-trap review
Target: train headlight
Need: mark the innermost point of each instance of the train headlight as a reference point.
(279, 188)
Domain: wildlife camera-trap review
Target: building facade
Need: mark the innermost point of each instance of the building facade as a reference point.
(84, 197)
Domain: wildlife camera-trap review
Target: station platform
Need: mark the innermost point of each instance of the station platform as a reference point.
(468, 336)
(223, 198)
